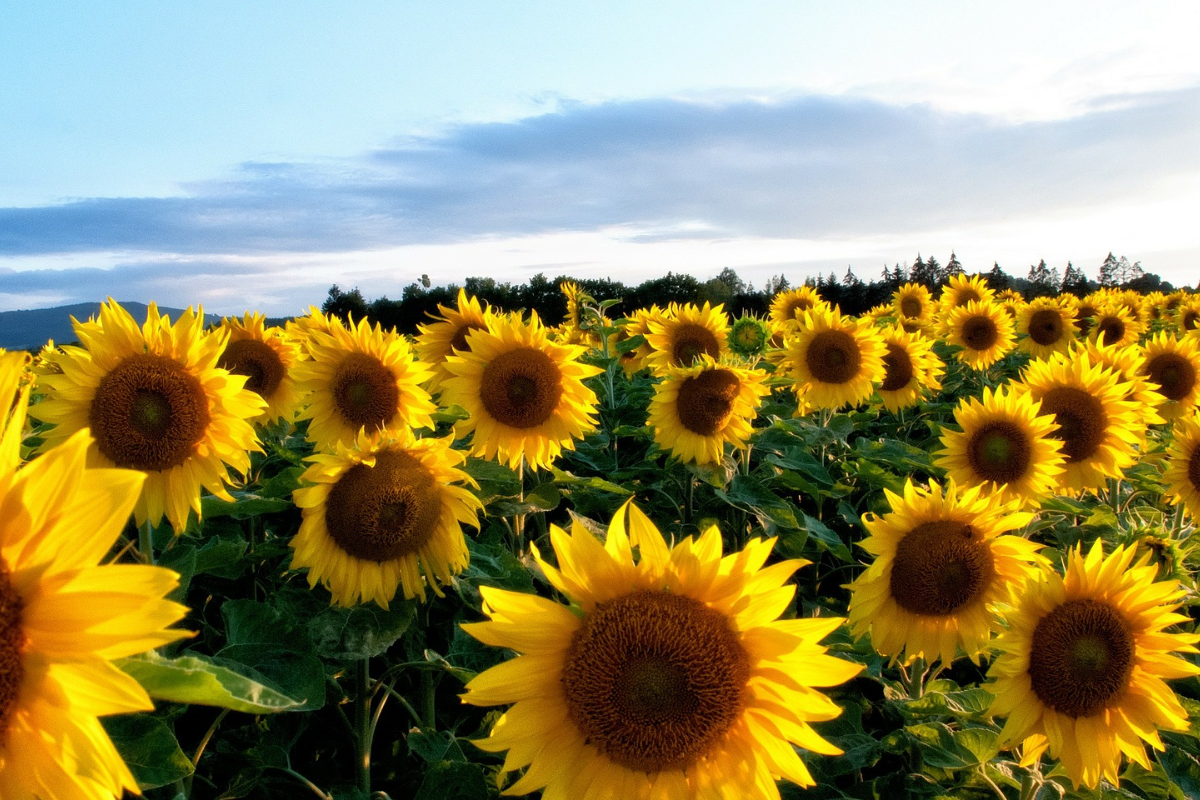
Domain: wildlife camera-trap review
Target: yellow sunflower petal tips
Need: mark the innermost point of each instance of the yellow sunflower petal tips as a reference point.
(839, 360)
(63, 617)
(944, 559)
(1171, 367)
(669, 676)
(266, 357)
(447, 334)
(1082, 665)
(684, 333)
(984, 331)
(382, 514)
(1182, 474)
(910, 369)
(156, 401)
(524, 393)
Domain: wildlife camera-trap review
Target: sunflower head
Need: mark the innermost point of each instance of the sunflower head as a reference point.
(749, 337)
(983, 331)
(1116, 325)
(1047, 326)
(837, 358)
(913, 302)
(1187, 315)
(910, 369)
(445, 335)
(266, 356)
(638, 324)
(1182, 474)
(962, 290)
(667, 672)
(1171, 367)
(1082, 664)
(788, 306)
(696, 410)
(686, 333)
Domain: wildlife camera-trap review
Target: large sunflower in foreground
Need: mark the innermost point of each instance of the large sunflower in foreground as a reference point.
(1048, 326)
(910, 369)
(157, 402)
(384, 513)
(838, 359)
(361, 378)
(439, 339)
(1082, 665)
(1005, 445)
(524, 393)
(668, 677)
(1098, 426)
(266, 356)
(697, 409)
(1182, 473)
(983, 330)
(686, 332)
(944, 559)
(1172, 368)
(63, 617)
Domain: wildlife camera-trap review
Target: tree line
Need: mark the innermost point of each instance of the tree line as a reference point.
(420, 299)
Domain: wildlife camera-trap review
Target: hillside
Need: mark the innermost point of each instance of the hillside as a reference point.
(30, 329)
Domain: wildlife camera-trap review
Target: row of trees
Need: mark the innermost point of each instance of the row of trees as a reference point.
(420, 299)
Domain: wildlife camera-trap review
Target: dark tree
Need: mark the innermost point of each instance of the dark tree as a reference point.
(1074, 281)
(953, 266)
(344, 305)
(997, 278)
(1108, 271)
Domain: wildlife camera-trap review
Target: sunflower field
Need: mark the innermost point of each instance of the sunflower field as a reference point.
(941, 550)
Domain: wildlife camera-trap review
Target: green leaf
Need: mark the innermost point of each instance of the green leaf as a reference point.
(244, 506)
(828, 540)
(149, 749)
(563, 478)
(271, 647)
(453, 780)
(544, 497)
(283, 483)
(434, 746)
(632, 343)
(196, 679)
(755, 496)
(351, 634)
(222, 556)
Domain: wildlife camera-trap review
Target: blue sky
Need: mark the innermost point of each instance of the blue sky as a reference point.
(251, 154)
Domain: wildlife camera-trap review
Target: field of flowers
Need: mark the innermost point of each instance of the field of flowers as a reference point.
(940, 550)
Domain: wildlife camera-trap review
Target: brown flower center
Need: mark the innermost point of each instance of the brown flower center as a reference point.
(940, 567)
(1081, 421)
(1174, 374)
(689, 341)
(1086, 317)
(256, 360)
(384, 512)
(911, 307)
(521, 388)
(1046, 327)
(833, 357)
(1193, 468)
(966, 296)
(1000, 451)
(898, 369)
(459, 340)
(364, 391)
(1081, 657)
(980, 332)
(12, 643)
(654, 680)
(148, 413)
(1111, 330)
(1191, 319)
(705, 401)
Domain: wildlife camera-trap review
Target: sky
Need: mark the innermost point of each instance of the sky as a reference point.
(248, 155)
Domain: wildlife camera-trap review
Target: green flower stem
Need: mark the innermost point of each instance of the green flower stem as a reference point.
(1031, 787)
(914, 678)
(311, 786)
(146, 541)
(362, 719)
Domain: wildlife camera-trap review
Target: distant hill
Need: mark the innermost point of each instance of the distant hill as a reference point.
(29, 330)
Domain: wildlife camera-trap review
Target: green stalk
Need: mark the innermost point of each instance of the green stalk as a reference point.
(362, 719)
(146, 541)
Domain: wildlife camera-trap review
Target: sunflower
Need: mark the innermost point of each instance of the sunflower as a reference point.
(384, 513)
(63, 617)
(837, 358)
(1187, 315)
(1096, 423)
(1172, 368)
(300, 329)
(441, 338)
(524, 393)
(638, 324)
(697, 409)
(266, 356)
(1085, 314)
(1116, 325)
(983, 330)
(670, 677)
(361, 378)
(685, 333)
(962, 290)
(572, 328)
(1082, 665)
(788, 306)
(1004, 445)
(913, 302)
(1126, 362)
(1048, 327)
(910, 369)
(944, 560)
(749, 337)
(1182, 473)
(157, 402)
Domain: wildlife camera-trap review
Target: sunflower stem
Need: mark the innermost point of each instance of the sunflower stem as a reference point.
(146, 541)
(914, 678)
(519, 517)
(1030, 787)
(362, 719)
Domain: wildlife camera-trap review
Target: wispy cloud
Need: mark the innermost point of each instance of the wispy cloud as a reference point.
(811, 168)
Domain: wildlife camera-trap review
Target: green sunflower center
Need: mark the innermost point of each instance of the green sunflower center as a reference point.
(364, 392)
(706, 400)
(148, 413)
(940, 567)
(980, 332)
(261, 365)
(653, 680)
(1000, 451)
(1081, 656)
(384, 512)
(689, 341)
(1174, 374)
(898, 369)
(12, 641)
(1046, 327)
(521, 388)
(833, 357)
(1081, 421)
